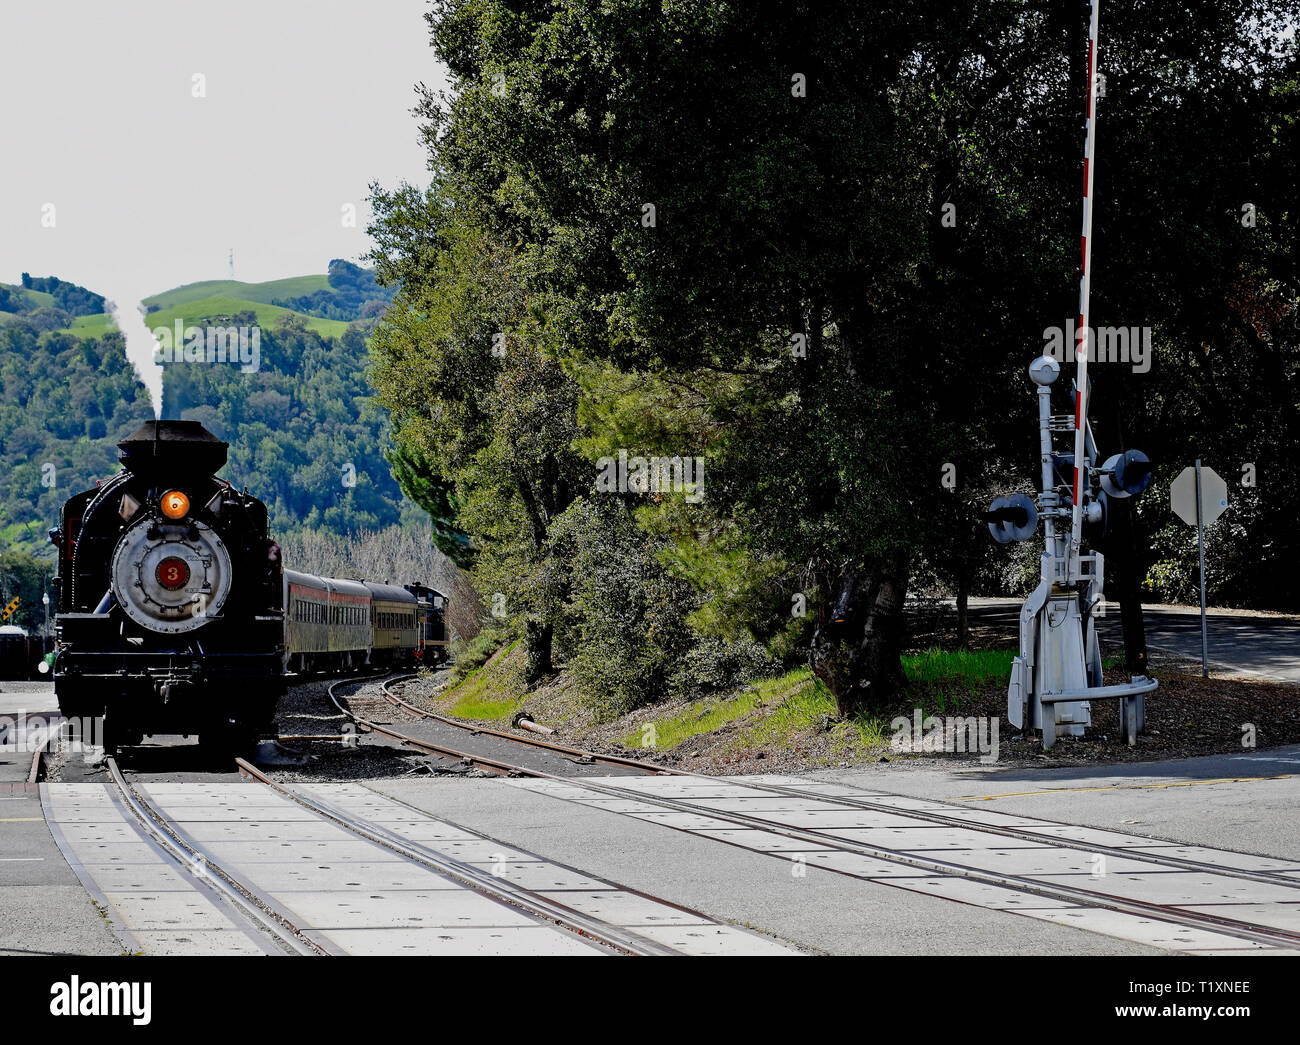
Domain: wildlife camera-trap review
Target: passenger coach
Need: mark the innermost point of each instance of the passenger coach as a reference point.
(327, 623)
(333, 625)
(393, 611)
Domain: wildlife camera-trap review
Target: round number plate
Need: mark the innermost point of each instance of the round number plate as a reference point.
(172, 573)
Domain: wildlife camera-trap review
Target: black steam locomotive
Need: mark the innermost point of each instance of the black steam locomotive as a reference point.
(175, 616)
(169, 597)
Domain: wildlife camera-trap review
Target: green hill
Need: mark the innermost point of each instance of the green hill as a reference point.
(327, 303)
(34, 298)
(93, 326)
(303, 431)
(197, 311)
(266, 293)
(69, 308)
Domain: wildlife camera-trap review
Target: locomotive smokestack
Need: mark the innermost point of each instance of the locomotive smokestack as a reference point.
(176, 447)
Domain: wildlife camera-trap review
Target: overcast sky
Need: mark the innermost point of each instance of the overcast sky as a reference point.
(305, 104)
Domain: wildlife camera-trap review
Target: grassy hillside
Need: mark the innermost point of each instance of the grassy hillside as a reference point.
(95, 326)
(302, 432)
(46, 312)
(326, 302)
(200, 310)
(37, 298)
(265, 293)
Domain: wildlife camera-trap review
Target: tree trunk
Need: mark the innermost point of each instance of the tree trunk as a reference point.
(1122, 574)
(538, 636)
(538, 633)
(963, 615)
(857, 643)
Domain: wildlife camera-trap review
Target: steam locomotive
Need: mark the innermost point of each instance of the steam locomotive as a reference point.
(171, 602)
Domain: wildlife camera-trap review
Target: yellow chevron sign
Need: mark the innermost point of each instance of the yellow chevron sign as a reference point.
(13, 605)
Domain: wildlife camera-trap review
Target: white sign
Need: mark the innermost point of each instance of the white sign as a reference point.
(1214, 496)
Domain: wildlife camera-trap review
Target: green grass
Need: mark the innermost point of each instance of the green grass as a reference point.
(196, 311)
(714, 712)
(93, 326)
(783, 708)
(469, 657)
(17, 531)
(491, 691)
(38, 298)
(196, 302)
(938, 680)
(806, 707)
(265, 293)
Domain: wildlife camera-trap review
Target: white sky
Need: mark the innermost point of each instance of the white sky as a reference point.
(306, 103)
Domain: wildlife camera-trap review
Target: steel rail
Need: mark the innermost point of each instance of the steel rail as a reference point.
(244, 901)
(929, 816)
(1256, 932)
(464, 757)
(582, 754)
(480, 881)
(1024, 834)
(1268, 935)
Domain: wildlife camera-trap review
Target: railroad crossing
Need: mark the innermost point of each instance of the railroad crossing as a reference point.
(945, 860)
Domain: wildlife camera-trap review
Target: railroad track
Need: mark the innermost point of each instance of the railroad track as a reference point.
(253, 908)
(1244, 929)
(576, 755)
(474, 878)
(255, 911)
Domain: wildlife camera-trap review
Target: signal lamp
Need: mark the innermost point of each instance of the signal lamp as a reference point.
(174, 504)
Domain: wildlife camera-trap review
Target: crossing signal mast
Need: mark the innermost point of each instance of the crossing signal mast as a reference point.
(1058, 672)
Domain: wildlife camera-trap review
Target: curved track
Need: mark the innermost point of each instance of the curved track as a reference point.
(484, 883)
(1097, 898)
(254, 909)
(578, 754)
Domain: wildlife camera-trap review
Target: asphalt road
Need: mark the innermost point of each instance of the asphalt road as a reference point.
(1249, 644)
(43, 907)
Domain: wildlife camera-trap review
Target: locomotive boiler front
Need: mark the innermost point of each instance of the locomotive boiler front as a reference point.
(170, 570)
(170, 576)
(170, 619)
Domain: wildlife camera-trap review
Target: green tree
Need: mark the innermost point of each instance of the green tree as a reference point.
(862, 217)
(484, 418)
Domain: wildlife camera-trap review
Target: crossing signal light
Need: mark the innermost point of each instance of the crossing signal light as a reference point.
(1126, 474)
(1012, 518)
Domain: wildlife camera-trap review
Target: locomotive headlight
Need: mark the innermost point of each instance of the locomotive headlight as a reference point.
(174, 504)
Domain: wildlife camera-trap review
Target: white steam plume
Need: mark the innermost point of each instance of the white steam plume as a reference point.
(140, 344)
